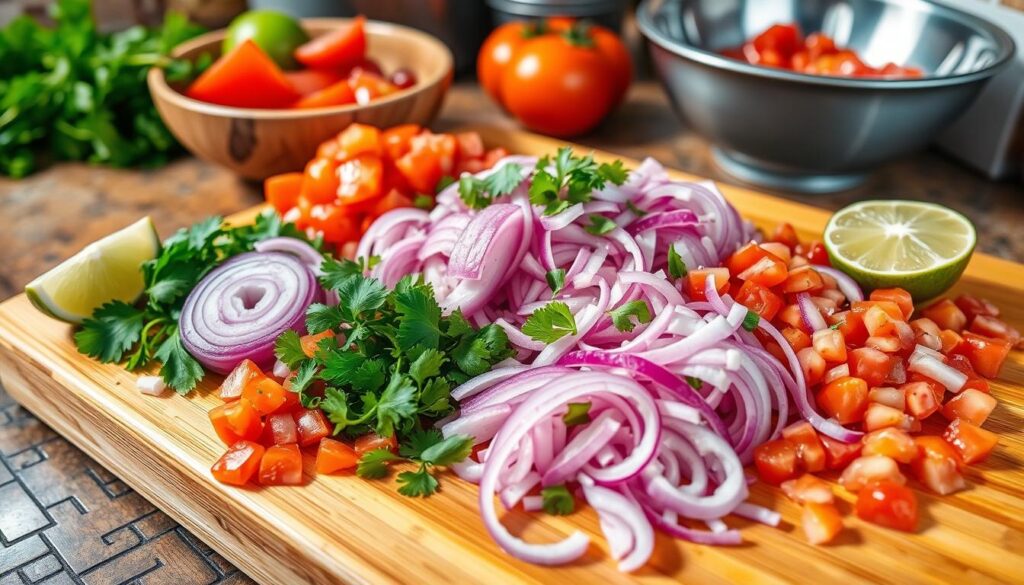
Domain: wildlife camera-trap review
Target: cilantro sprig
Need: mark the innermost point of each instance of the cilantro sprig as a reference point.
(479, 193)
(550, 323)
(568, 179)
(141, 333)
(394, 371)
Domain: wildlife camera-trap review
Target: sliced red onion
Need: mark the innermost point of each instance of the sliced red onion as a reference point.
(241, 307)
(809, 312)
(151, 385)
(476, 241)
(294, 246)
(623, 522)
(847, 285)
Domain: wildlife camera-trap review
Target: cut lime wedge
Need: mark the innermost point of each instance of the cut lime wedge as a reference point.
(105, 270)
(920, 247)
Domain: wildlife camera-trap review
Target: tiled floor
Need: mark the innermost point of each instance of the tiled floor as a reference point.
(65, 519)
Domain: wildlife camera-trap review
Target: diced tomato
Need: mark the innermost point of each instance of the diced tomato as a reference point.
(986, 354)
(879, 416)
(851, 325)
(337, 50)
(335, 456)
(310, 343)
(893, 443)
(803, 279)
(869, 469)
(973, 307)
(291, 400)
(235, 421)
(781, 251)
(393, 200)
(963, 365)
(245, 77)
(358, 139)
(883, 344)
(397, 139)
(878, 322)
(282, 191)
(696, 279)
(808, 488)
(896, 295)
(951, 341)
(281, 465)
(307, 81)
(816, 254)
(927, 333)
(239, 463)
(265, 395)
(889, 396)
(937, 465)
(744, 258)
(839, 454)
(836, 372)
(367, 86)
(830, 345)
(821, 522)
(870, 365)
(429, 158)
(280, 429)
(320, 183)
(946, 315)
(790, 315)
(785, 234)
(777, 461)
(337, 223)
(245, 372)
(782, 39)
(845, 399)
(312, 426)
(971, 442)
(373, 441)
(888, 504)
(759, 299)
(812, 364)
(336, 94)
(360, 178)
(753, 263)
(971, 405)
(797, 339)
(810, 452)
(921, 398)
(995, 329)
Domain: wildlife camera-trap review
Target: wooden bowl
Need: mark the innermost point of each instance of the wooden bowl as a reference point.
(257, 143)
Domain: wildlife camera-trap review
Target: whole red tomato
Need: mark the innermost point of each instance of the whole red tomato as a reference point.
(558, 77)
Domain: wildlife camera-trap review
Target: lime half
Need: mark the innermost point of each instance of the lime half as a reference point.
(105, 270)
(920, 247)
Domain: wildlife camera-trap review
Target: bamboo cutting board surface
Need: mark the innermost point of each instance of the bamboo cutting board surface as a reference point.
(344, 529)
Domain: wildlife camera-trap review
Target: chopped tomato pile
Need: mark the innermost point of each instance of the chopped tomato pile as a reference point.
(783, 46)
(877, 365)
(364, 172)
(336, 72)
(266, 431)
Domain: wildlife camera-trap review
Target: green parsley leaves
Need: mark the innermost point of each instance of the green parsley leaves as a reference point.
(141, 333)
(479, 193)
(569, 180)
(550, 323)
(622, 316)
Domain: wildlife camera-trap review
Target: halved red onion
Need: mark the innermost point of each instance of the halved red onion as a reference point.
(295, 247)
(241, 307)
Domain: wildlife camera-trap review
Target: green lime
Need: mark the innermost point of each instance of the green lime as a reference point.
(105, 270)
(277, 34)
(920, 247)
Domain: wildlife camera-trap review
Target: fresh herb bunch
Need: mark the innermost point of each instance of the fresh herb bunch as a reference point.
(396, 368)
(146, 331)
(554, 184)
(82, 95)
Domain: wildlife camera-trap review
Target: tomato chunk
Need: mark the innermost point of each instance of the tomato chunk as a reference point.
(239, 463)
(282, 191)
(893, 443)
(802, 279)
(265, 395)
(896, 295)
(830, 345)
(373, 441)
(281, 465)
(245, 372)
(280, 429)
(336, 94)
(335, 456)
(845, 399)
(946, 315)
(972, 442)
(973, 307)
(870, 365)
(245, 77)
(312, 426)
(759, 299)
(340, 49)
(697, 278)
(986, 354)
(921, 398)
(839, 454)
(868, 469)
(812, 364)
(971, 405)
(937, 465)
(236, 421)
(808, 488)
(821, 522)
(879, 416)
(810, 452)
(888, 504)
(797, 339)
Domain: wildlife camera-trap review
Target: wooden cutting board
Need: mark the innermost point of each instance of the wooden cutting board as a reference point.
(344, 529)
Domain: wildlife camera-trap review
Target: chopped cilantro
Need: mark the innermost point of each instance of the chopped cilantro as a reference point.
(695, 383)
(550, 323)
(578, 414)
(556, 280)
(622, 316)
(751, 321)
(557, 500)
(636, 210)
(600, 225)
(568, 180)
(676, 266)
(479, 193)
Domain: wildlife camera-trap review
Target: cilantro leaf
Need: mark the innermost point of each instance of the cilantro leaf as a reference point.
(288, 349)
(578, 414)
(360, 295)
(417, 484)
(751, 320)
(614, 172)
(374, 464)
(557, 501)
(321, 317)
(694, 382)
(676, 266)
(340, 367)
(369, 376)
(418, 441)
(458, 326)
(550, 323)
(396, 404)
(622, 315)
(335, 404)
(420, 315)
(476, 352)
(556, 280)
(180, 371)
(479, 193)
(449, 451)
(334, 272)
(303, 376)
(436, 397)
(636, 210)
(574, 179)
(112, 330)
(427, 365)
(600, 225)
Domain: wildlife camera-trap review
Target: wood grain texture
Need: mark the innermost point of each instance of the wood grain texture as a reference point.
(342, 529)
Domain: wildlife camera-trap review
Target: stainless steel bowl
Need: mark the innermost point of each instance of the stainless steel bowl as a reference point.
(606, 12)
(818, 133)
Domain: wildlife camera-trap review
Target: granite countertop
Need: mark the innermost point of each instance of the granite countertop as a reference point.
(64, 519)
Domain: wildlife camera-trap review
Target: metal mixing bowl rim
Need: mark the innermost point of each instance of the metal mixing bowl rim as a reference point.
(1004, 44)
